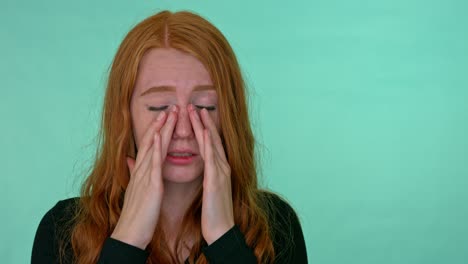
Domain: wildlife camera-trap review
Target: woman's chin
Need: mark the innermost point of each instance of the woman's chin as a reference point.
(182, 174)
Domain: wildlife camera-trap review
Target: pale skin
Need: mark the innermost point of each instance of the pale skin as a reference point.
(158, 188)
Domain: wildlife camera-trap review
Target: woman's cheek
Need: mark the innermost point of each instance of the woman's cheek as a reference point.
(142, 121)
(215, 117)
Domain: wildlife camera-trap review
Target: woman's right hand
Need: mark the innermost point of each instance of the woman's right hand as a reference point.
(143, 196)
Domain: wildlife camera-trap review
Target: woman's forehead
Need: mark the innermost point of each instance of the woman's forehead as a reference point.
(172, 69)
(164, 63)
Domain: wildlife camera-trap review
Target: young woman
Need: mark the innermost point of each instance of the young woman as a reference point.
(175, 177)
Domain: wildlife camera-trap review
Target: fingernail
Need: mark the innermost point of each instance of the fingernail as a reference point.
(161, 115)
(173, 108)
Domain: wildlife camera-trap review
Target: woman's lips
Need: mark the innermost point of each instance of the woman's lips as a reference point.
(181, 160)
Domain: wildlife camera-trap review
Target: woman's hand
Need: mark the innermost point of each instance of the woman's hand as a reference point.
(217, 209)
(143, 196)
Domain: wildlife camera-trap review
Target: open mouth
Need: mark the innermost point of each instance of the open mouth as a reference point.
(180, 158)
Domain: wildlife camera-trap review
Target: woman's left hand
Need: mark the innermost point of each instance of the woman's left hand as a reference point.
(217, 209)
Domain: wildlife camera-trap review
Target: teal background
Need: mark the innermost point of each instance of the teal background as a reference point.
(360, 109)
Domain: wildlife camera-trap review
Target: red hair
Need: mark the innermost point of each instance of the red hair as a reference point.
(102, 193)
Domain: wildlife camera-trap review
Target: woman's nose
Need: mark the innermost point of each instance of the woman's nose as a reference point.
(183, 127)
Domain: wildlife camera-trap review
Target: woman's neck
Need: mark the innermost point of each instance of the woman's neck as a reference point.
(176, 200)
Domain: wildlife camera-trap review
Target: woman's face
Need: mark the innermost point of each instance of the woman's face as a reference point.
(170, 77)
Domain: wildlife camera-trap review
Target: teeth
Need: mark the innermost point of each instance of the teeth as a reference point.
(176, 154)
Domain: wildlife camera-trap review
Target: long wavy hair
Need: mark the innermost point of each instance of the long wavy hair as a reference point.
(102, 193)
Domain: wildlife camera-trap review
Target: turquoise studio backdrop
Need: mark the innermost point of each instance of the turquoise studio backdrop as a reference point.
(360, 109)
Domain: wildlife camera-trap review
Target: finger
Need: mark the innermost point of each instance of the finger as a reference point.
(216, 139)
(147, 140)
(145, 164)
(167, 130)
(217, 159)
(197, 128)
(156, 158)
(209, 158)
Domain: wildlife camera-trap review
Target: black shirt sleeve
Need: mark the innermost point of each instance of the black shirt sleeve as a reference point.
(288, 238)
(230, 248)
(117, 252)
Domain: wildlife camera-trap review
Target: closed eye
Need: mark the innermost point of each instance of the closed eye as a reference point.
(209, 108)
(154, 108)
(162, 108)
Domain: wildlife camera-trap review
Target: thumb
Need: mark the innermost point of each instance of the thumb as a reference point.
(130, 164)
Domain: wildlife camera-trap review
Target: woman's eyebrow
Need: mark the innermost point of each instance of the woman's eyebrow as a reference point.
(166, 88)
